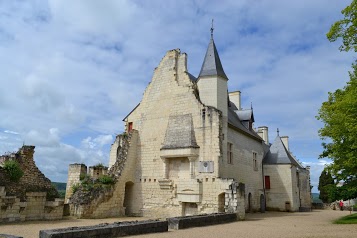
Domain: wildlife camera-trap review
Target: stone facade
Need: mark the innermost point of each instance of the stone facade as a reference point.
(192, 150)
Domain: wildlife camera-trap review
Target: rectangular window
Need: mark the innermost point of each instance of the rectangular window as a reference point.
(130, 126)
(255, 162)
(267, 182)
(229, 153)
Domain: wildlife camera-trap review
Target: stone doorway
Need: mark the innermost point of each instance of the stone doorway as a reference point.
(189, 209)
(249, 202)
(221, 202)
(128, 198)
(262, 203)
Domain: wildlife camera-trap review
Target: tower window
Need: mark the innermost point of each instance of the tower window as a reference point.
(229, 153)
(130, 126)
(255, 162)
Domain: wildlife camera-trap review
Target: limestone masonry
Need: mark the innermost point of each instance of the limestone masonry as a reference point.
(30, 198)
(189, 148)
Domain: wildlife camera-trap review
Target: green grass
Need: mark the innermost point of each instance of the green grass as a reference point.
(350, 219)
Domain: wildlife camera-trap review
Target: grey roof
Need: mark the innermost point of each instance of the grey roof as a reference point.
(180, 133)
(131, 112)
(232, 105)
(278, 154)
(212, 65)
(245, 115)
(235, 121)
(192, 78)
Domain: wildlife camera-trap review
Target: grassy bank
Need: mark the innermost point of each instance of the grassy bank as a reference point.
(350, 219)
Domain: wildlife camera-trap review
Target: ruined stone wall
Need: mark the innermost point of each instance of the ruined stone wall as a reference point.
(75, 172)
(27, 199)
(108, 202)
(36, 207)
(33, 179)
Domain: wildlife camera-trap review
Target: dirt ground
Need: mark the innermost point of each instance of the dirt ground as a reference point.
(316, 224)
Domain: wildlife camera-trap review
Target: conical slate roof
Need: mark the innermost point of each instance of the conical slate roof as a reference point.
(278, 154)
(212, 65)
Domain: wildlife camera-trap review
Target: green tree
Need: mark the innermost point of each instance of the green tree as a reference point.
(346, 28)
(339, 113)
(325, 182)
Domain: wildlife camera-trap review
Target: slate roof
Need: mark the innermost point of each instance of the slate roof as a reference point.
(179, 133)
(192, 78)
(235, 121)
(245, 115)
(212, 65)
(278, 154)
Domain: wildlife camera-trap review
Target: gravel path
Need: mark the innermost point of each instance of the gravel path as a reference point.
(316, 224)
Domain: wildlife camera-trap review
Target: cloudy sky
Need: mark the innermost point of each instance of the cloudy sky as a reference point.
(70, 71)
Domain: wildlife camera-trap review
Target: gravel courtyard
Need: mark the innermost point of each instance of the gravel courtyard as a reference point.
(257, 225)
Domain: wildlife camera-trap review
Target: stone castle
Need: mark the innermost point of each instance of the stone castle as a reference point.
(189, 148)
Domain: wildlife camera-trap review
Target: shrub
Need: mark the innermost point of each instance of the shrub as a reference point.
(99, 166)
(52, 193)
(106, 179)
(13, 170)
(75, 187)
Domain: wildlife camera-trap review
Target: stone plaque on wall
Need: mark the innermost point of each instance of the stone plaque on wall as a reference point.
(205, 166)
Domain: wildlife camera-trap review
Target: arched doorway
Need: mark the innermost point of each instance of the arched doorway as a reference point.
(221, 202)
(262, 203)
(249, 202)
(128, 198)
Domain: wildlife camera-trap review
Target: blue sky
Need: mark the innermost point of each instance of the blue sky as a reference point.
(72, 70)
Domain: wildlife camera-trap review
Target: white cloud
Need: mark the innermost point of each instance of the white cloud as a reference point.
(81, 66)
(11, 132)
(315, 171)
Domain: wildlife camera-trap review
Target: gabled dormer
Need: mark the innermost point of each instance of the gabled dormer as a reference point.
(246, 117)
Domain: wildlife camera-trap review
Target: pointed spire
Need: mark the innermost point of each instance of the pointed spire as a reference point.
(212, 29)
(212, 65)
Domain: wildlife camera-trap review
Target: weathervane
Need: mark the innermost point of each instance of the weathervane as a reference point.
(212, 29)
(277, 130)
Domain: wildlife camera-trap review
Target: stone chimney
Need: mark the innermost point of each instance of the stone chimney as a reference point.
(285, 140)
(235, 98)
(263, 133)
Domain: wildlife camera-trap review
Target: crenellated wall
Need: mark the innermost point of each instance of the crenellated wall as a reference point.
(36, 207)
